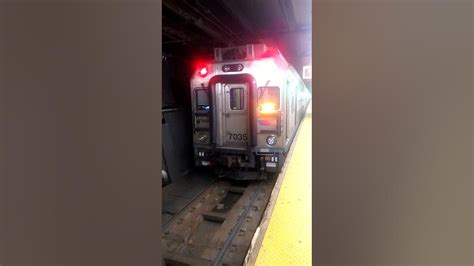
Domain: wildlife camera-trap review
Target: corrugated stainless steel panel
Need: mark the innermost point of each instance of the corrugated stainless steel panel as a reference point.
(219, 114)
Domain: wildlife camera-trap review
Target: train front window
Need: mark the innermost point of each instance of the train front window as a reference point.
(236, 99)
(268, 99)
(202, 99)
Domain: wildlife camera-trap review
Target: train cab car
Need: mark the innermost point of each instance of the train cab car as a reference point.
(247, 105)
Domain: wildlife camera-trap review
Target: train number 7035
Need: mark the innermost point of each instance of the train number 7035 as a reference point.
(237, 137)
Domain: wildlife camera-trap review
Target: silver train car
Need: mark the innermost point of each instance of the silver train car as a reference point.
(247, 105)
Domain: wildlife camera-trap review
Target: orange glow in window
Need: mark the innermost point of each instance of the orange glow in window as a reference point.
(267, 108)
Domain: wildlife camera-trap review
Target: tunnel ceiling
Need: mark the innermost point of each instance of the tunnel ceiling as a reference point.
(194, 27)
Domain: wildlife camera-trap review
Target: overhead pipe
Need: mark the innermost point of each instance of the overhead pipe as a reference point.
(196, 21)
(231, 8)
(287, 9)
(175, 36)
(215, 21)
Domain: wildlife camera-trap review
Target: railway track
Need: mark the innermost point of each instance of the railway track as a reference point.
(217, 227)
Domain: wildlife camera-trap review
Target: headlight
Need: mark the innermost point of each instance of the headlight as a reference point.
(202, 137)
(271, 140)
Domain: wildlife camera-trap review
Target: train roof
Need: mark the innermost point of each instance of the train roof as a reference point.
(250, 57)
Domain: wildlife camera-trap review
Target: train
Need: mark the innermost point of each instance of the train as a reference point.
(247, 104)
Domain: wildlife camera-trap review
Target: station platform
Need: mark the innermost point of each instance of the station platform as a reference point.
(284, 235)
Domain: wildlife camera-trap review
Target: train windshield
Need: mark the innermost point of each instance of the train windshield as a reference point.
(268, 99)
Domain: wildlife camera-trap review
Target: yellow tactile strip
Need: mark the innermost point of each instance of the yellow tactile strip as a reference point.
(287, 240)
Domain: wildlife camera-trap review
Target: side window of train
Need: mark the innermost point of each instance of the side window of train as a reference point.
(293, 99)
(202, 99)
(237, 99)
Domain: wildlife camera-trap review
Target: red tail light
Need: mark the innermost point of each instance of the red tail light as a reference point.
(203, 72)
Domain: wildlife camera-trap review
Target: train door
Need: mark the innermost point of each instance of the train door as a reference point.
(235, 119)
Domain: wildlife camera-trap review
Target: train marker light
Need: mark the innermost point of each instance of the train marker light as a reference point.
(202, 137)
(271, 140)
(203, 72)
